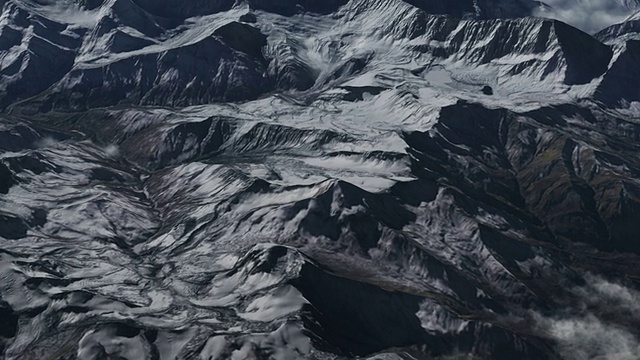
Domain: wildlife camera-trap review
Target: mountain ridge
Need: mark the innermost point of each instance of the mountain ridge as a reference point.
(112, 42)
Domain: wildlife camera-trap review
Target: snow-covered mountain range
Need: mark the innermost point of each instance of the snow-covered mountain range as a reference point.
(336, 179)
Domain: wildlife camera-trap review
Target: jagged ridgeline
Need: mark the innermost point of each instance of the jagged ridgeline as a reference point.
(326, 180)
(131, 52)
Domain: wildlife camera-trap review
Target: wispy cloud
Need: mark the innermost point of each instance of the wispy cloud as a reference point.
(584, 334)
(588, 15)
(589, 338)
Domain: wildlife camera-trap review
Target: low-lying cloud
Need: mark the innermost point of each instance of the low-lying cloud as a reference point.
(589, 15)
(584, 334)
(589, 338)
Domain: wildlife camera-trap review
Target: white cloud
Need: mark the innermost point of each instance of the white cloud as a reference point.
(112, 150)
(45, 142)
(583, 335)
(589, 15)
(589, 338)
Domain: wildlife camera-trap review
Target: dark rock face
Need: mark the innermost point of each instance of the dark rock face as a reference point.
(248, 18)
(12, 227)
(345, 312)
(6, 179)
(34, 163)
(541, 177)
(619, 83)
(618, 30)
(244, 38)
(163, 79)
(290, 72)
(9, 327)
(184, 142)
(18, 137)
(40, 65)
(582, 69)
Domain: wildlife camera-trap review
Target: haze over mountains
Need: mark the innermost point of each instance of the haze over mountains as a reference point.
(336, 179)
(590, 16)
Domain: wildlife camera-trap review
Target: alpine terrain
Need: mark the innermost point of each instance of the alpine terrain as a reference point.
(319, 179)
